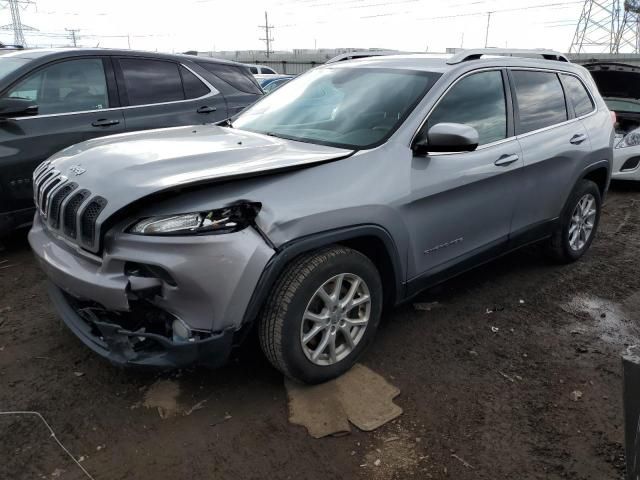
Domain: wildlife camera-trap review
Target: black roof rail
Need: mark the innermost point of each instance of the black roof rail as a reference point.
(477, 53)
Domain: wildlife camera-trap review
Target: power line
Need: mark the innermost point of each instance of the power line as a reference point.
(268, 39)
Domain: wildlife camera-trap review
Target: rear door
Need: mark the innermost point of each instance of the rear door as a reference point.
(75, 103)
(554, 145)
(162, 93)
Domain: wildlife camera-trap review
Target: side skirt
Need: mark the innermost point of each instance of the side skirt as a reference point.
(482, 256)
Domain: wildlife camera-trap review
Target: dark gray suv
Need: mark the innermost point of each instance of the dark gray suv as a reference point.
(352, 187)
(50, 99)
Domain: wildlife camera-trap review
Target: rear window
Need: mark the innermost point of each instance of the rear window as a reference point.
(238, 77)
(540, 98)
(577, 93)
(253, 70)
(151, 81)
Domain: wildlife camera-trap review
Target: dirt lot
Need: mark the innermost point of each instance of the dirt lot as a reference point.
(491, 379)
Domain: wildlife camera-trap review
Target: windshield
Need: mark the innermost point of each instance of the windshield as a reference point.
(344, 107)
(618, 105)
(9, 64)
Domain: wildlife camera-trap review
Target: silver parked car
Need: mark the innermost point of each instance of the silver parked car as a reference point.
(354, 186)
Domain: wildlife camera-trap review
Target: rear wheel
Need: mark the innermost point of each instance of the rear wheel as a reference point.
(578, 223)
(321, 314)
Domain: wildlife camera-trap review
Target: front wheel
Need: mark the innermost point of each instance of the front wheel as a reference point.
(578, 223)
(321, 314)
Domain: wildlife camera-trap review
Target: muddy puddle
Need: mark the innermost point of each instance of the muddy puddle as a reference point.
(610, 321)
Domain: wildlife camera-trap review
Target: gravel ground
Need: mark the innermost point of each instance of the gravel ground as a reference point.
(514, 373)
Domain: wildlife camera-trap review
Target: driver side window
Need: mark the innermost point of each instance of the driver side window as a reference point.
(477, 100)
(65, 87)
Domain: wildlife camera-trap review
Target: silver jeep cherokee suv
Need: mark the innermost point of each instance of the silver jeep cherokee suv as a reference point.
(352, 187)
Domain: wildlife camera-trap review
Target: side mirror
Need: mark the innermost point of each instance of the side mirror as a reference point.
(17, 107)
(447, 137)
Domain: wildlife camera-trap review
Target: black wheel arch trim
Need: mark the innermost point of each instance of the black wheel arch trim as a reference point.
(288, 251)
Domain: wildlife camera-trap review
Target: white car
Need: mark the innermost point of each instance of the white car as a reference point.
(261, 70)
(619, 85)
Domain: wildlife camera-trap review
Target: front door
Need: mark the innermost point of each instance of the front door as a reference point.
(462, 203)
(73, 106)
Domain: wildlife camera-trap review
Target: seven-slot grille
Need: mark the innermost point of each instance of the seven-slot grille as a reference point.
(66, 208)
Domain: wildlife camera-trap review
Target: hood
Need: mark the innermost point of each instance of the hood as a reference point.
(126, 167)
(616, 80)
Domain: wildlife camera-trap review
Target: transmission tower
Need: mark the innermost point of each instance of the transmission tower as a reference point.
(598, 27)
(268, 39)
(629, 32)
(16, 23)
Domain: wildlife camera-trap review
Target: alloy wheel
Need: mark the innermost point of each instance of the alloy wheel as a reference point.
(335, 319)
(582, 222)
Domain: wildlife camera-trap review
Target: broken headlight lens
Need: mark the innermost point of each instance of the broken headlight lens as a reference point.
(224, 220)
(631, 139)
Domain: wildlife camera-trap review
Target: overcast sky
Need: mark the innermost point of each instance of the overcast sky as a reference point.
(411, 25)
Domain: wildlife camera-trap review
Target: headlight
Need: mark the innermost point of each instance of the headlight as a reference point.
(631, 139)
(224, 220)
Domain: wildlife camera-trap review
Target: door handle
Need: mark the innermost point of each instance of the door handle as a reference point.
(505, 160)
(578, 138)
(105, 122)
(206, 109)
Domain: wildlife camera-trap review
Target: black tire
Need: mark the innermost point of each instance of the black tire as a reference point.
(280, 322)
(559, 244)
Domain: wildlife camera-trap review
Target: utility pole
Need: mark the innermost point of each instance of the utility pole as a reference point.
(268, 39)
(16, 22)
(73, 34)
(486, 36)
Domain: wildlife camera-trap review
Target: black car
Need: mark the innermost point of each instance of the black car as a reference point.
(51, 99)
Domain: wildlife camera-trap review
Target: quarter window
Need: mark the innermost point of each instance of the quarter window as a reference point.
(540, 98)
(577, 93)
(238, 77)
(151, 81)
(479, 101)
(66, 87)
(193, 87)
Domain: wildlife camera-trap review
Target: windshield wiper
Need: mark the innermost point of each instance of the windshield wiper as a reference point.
(225, 123)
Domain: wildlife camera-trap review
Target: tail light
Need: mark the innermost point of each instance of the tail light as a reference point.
(614, 118)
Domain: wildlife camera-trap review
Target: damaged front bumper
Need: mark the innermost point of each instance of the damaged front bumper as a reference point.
(154, 301)
(123, 347)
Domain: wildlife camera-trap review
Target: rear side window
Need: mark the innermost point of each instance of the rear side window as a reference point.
(479, 101)
(268, 71)
(151, 81)
(540, 98)
(193, 86)
(238, 77)
(577, 93)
